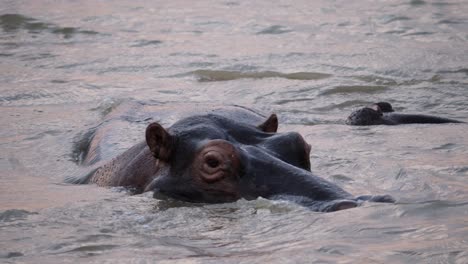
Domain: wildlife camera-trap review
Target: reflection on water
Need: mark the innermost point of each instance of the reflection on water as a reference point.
(66, 65)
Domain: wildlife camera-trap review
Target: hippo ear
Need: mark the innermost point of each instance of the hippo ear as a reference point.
(376, 108)
(385, 107)
(159, 141)
(270, 125)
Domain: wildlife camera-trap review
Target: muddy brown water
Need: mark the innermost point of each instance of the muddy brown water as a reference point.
(64, 65)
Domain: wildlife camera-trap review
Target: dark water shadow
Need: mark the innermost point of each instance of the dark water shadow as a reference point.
(221, 75)
(12, 23)
(275, 30)
(368, 89)
(14, 215)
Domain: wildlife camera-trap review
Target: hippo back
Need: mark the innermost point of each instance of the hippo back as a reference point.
(395, 118)
(125, 125)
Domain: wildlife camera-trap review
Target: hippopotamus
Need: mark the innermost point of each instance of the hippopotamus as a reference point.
(219, 156)
(382, 113)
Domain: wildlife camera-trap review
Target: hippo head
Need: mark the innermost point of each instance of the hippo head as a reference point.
(214, 159)
(366, 116)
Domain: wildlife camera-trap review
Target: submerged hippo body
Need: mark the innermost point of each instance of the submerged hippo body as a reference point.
(221, 156)
(382, 113)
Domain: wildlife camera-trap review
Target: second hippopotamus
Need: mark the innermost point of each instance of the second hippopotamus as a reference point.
(382, 113)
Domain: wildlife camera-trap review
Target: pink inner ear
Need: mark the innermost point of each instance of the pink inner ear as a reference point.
(159, 141)
(270, 125)
(375, 107)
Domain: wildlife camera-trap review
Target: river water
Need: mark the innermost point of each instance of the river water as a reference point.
(65, 64)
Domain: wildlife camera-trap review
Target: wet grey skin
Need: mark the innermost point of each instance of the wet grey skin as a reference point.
(382, 113)
(221, 157)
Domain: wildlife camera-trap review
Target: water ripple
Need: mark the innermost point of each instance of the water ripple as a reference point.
(275, 30)
(376, 79)
(355, 89)
(220, 75)
(392, 18)
(14, 215)
(13, 22)
(452, 21)
(144, 43)
(92, 248)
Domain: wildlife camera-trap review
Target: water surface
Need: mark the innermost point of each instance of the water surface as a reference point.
(64, 65)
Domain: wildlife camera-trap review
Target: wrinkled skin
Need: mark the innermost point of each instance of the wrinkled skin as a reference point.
(382, 113)
(220, 157)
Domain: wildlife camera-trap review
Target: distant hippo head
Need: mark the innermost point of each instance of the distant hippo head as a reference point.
(212, 159)
(366, 116)
(382, 113)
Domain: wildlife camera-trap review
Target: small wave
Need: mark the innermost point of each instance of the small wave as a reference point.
(127, 68)
(443, 3)
(462, 70)
(44, 134)
(462, 169)
(392, 18)
(452, 21)
(398, 31)
(376, 80)
(447, 146)
(431, 206)
(355, 89)
(80, 64)
(11, 255)
(417, 2)
(24, 97)
(343, 105)
(93, 248)
(15, 22)
(216, 76)
(419, 33)
(294, 100)
(144, 43)
(341, 178)
(13, 215)
(33, 57)
(68, 32)
(275, 29)
(107, 105)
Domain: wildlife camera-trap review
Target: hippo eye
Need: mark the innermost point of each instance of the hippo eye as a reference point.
(214, 166)
(213, 163)
(212, 160)
(216, 161)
